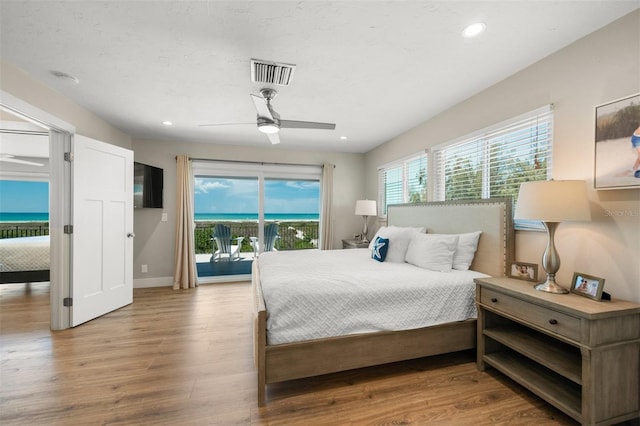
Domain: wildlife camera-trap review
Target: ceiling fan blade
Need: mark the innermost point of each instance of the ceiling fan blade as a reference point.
(11, 159)
(292, 124)
(274, 138)
(261, 107)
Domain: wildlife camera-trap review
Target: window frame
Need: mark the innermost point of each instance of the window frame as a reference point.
(435, 168)
(406, 181)
(486, 142)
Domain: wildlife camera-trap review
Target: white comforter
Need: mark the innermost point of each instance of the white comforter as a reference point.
(24, 254)
(312, 294)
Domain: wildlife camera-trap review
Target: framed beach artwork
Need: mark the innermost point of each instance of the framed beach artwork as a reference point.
(617, 136)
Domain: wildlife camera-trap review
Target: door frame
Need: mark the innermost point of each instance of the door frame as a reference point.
(60, 136)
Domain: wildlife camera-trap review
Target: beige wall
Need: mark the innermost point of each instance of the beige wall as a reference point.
(154, 242)
(17, 83)
(599, 68)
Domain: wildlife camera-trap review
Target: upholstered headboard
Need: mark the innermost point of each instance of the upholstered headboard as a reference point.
(491, 216)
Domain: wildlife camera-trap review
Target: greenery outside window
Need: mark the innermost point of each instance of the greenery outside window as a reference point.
(403, 181)
(495, 161)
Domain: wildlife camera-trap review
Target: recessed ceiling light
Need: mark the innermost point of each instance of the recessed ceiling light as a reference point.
(167, 123)
(343, 137)
(64, 76)
(474, 29)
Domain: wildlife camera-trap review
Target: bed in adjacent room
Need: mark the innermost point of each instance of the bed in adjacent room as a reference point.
(24, 260)
(318, 312)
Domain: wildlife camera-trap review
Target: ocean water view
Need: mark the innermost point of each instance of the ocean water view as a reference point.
(24, 217)
(271, 217)
(199, 217)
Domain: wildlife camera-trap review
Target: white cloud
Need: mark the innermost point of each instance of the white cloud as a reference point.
(203, 186)
(300, 184)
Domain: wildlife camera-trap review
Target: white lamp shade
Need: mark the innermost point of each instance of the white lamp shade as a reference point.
(366, 208)
(553, 201)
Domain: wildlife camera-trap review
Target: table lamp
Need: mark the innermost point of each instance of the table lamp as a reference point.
(366, 208)
(552, 202)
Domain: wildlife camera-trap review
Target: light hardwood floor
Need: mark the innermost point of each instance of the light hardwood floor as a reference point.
(185, 357)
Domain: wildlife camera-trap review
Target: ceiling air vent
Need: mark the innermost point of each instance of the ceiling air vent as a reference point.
(271, 72)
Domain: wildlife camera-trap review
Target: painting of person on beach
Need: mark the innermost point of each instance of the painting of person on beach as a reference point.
(617, 163)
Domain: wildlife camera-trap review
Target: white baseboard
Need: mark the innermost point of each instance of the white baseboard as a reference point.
(153, 282)
(168, 281)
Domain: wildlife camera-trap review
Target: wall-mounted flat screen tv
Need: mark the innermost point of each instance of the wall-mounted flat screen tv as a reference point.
(147, 186)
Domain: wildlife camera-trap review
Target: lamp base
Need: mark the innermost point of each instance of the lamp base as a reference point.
(551, 287)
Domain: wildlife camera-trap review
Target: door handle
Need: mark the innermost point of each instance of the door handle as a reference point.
(131, 235)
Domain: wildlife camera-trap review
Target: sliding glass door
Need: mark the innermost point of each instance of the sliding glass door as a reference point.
(230, 204)
(244, 209)
(294, 205)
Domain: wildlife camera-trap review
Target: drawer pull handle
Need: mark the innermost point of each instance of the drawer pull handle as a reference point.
(553, 322)
(494, 300)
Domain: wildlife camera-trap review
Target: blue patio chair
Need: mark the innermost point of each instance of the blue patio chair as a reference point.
(224, 243)
(270, 237)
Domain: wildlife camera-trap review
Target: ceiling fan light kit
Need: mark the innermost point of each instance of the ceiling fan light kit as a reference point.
(268, 128)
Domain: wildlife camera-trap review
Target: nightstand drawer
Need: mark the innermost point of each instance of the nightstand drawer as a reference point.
(545, 318)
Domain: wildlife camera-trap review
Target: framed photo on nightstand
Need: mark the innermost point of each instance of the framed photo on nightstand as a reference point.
(523, 271)
(587, 285)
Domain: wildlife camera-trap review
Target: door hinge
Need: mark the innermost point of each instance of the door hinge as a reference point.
(68, 229)
(68, 156)
(67, 301)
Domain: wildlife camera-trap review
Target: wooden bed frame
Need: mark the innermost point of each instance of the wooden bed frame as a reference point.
(278, 363)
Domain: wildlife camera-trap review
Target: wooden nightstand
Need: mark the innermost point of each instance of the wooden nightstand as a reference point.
(351, 244)
(578, 354)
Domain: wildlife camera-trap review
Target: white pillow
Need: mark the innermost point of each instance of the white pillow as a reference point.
(399, 238)
(466, 250)
(430, 251)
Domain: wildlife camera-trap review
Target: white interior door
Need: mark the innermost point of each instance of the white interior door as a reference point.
(102, 237)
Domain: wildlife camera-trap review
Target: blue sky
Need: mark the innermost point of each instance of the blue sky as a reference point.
(212, 195)
(235, 195)
(24, 196)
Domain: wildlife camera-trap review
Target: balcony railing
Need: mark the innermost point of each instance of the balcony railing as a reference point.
(23, 229)
(293, 235)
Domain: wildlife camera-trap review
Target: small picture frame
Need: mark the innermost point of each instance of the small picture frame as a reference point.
(523, 271)
(587, 285)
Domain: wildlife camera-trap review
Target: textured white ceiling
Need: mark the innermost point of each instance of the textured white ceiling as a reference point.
(374, 68)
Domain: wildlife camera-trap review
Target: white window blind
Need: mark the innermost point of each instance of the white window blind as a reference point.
(495, 161)
(403, 181)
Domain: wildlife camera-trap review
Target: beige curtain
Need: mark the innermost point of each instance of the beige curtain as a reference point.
(185, 275)
(326, 214)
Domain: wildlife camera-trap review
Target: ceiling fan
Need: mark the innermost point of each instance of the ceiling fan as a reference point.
(8, 158)
(269, 121)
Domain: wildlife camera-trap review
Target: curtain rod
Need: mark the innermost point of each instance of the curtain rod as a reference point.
(262, 163)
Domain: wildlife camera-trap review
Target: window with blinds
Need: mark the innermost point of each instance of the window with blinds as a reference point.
(404, 181)
(495, 161)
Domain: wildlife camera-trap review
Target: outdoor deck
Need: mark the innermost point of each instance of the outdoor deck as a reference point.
(206, 268)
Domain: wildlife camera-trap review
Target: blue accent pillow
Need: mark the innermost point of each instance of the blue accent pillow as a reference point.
(380, 248)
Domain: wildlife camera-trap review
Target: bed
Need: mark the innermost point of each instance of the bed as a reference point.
(282, 358)
(24, 260)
